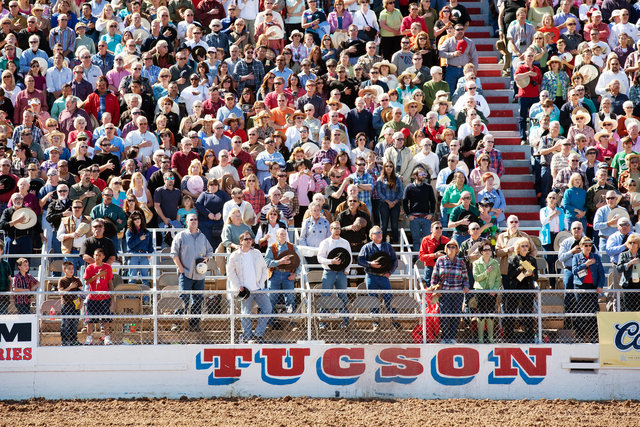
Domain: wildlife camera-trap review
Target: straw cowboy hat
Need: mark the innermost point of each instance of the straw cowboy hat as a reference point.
(405, 74)
(392, 67)
(554, 58)
(580, 112)
(613, 122)
(412, 102)
(375, 90)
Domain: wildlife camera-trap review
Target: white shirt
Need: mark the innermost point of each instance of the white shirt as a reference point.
(135, 138)
(629, 29)
(249, 272)
(430, 161)
(244, 206)
(326, 246)
(271, 231)
(607, 77)
(219, 171)
(192, 94)
(481, 104)
(248, 9)
(91, 75)
(78, 241)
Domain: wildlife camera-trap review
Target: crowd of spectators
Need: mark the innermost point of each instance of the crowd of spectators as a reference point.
(256, 116)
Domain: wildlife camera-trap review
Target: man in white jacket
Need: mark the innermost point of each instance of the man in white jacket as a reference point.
(247, 269)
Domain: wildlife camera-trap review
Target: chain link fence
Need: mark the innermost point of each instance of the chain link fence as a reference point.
(352, 316)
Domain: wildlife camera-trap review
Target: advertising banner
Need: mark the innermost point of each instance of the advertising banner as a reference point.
(18, 340)
(619, 339)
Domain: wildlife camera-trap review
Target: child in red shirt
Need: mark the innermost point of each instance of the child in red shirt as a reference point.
(99, 278)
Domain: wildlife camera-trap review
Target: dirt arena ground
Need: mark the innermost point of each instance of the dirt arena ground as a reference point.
(318, 412)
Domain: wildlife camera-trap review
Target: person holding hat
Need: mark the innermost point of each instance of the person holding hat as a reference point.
(25, 96)
(333, 278)
(629, 273)
(247, 270)
(20, 232)
(189, 247)
(248, 71)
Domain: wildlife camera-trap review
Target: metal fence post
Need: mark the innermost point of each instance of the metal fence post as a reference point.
(232, 316)
(539, 316)
(154, 295)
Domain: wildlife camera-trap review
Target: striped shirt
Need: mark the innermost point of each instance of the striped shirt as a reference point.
(23, 282)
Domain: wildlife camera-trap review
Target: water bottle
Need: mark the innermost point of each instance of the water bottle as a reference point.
(52, 311)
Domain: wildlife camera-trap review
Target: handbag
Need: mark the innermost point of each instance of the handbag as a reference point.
(371, 32)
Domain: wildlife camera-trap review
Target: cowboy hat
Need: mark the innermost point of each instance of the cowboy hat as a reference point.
(31, 216)
(386, 114)
(580, 112)
(613, 122)
(295, 32)
(281, 135)
(597, 136)
(56, 133)
(631, 156)
(263, 115)
(405, 74)
(375, 90)
(295, 114)
(412, 102)
(392, 67)
(231, 118)
(554, 58)
(310, 149)
(333, 101)
(209, 118)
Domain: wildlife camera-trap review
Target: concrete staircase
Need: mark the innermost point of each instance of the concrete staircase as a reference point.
(517, 182)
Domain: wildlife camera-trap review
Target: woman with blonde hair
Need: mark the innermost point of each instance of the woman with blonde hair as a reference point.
(104, 19)
(11, 89)
(537, 10)
(253, 194)
(522, 275)
(138, 188)
(233, 228)
(199, 183)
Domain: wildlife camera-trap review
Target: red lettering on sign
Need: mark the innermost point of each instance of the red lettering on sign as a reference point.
(467, 365)
(535, 368)
(227, 357)
(331, 362)
(401, 365)
(26, 353)
(17, 354)
(275, 361)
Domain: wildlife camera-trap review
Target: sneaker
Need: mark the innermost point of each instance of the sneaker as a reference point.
(175, 327)
(107, 340)
(89, 340)
(375, 326)
(290, 309)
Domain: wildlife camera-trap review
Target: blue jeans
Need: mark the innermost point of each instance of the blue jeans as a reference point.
(392, 214)
(335, 280)
(134, 272)
(460, 237)
(279, 281)
(265, 308)
(452, 76)
(22, 245)
(525, 104)
(23, 308)
(192, 302)
(570, 297)
(375, 282)
(69, 327)
(428, 272)
(419, 227)
(450, 304)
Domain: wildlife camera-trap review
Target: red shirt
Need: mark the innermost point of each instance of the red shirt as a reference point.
(99, 183)
(531, 91)
(428, 249)
(181, 162)
(408, 20)
(100, 284)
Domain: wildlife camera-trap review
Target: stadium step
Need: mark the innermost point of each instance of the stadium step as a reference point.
(517, 182)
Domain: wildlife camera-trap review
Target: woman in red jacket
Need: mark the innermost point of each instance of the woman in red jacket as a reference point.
(111, 104)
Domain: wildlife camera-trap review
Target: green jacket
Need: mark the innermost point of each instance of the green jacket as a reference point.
(484, 280)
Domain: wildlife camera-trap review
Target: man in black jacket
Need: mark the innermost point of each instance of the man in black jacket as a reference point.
(419, 204)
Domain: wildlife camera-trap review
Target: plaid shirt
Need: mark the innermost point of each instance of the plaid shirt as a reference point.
(285, 212)
(257, 200)
(365, 178)
(66, 37)
(330, 154)
(294, 206)
(23, 282)
(562, 178)
(242, 69)
(496, 160)
(452, 275)
(375, 172)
